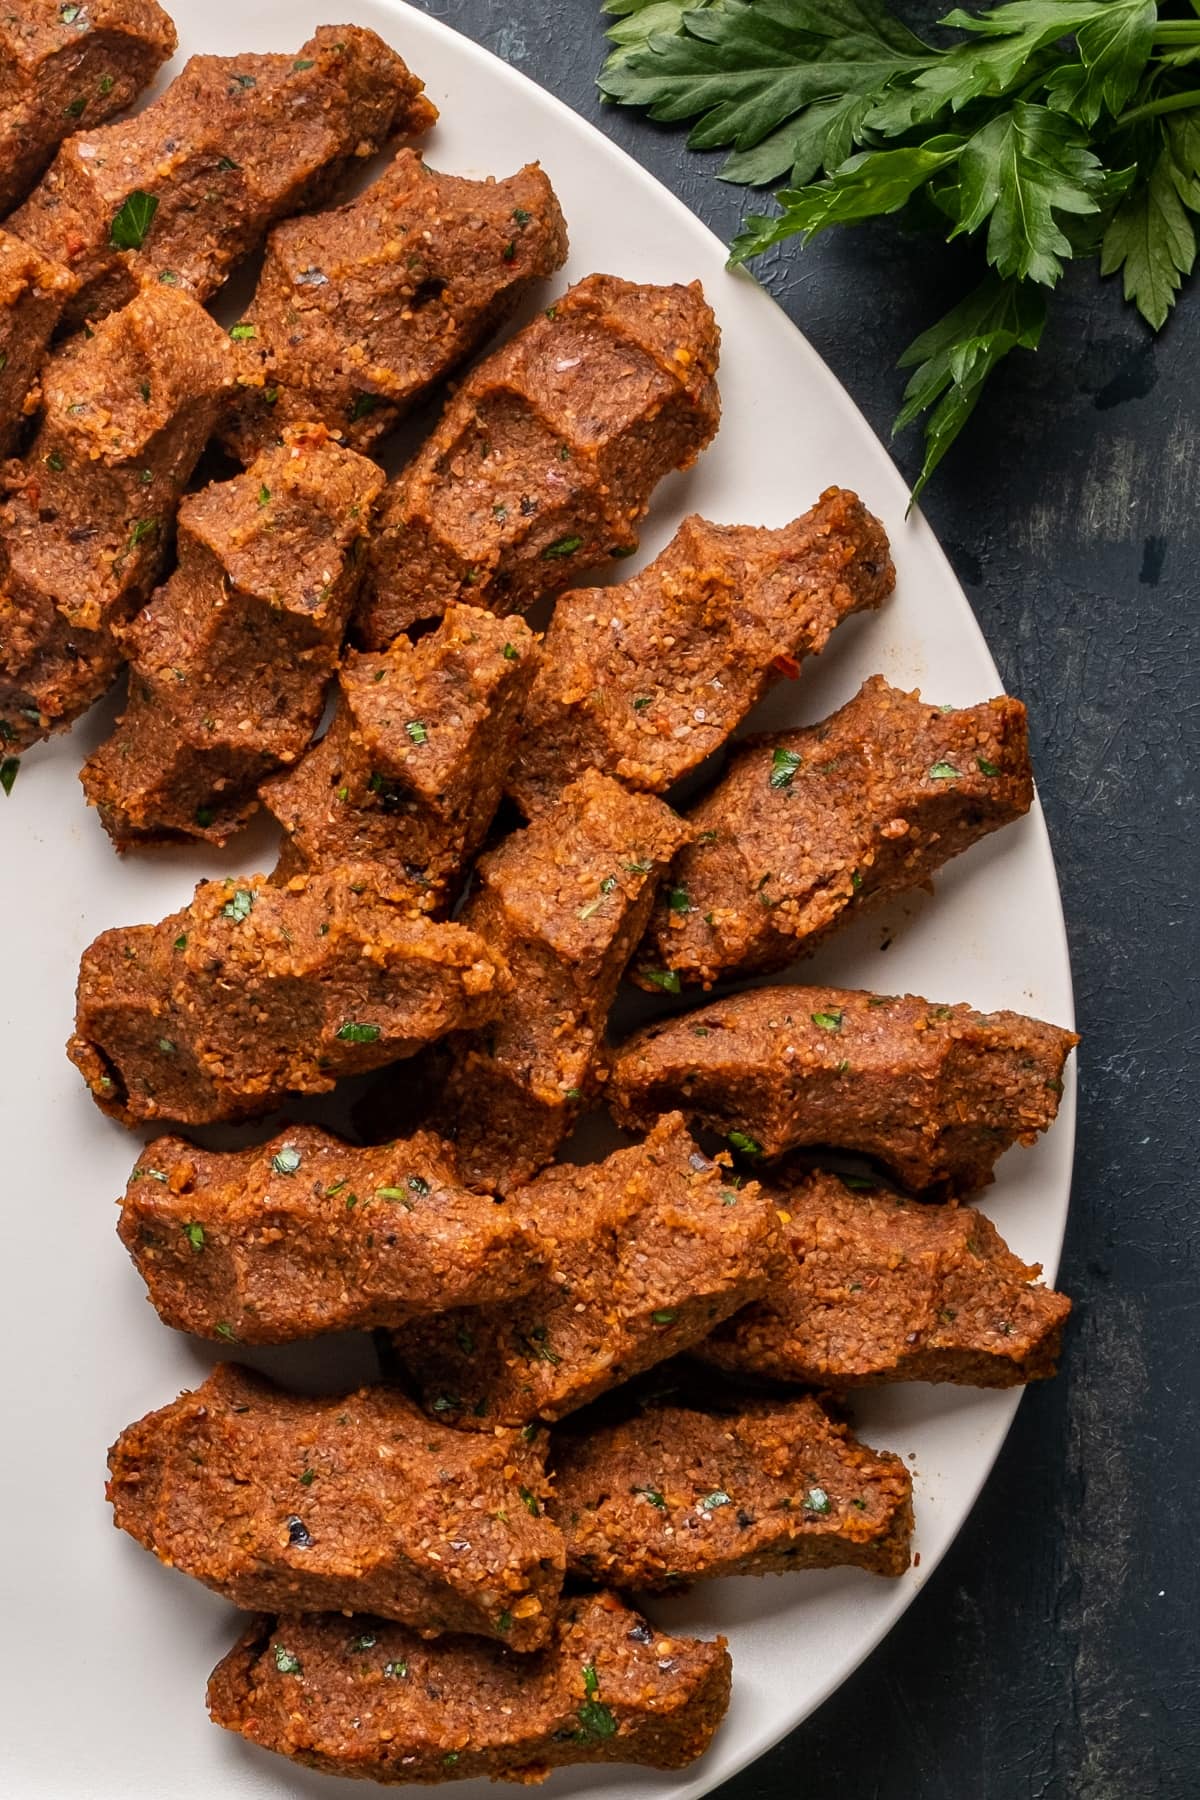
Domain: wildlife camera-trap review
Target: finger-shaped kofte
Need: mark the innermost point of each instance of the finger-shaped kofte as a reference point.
(183, 191)
(934, 1093)
(65, 68)
(307, 1235)
(231, 660)
(545, 459)
(33, 293)
(356, 1504)
(809, 827)
(645, 1253)
(360, 310)
(363, 1698)
(674, 1494)
(647, 679)
(407, 778)
(877, 1288)
(89, 518)
(565, 903)
(254, 992)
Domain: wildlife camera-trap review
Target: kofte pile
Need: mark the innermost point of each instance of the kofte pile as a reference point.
(599, 1380)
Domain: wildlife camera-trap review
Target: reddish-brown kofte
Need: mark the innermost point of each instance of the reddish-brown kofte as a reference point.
(935, 1093)
(65, 68)
(231, 659)
(545, 459)
(876, 1288)
(33, 293)
(360, 310)
(307, 1234)
(647, 679)
(183, 191)
(809, 827)
(674, 1494)
(364, 1698)
(407, 778)
(253, 992)
(645, 1253)
(90, 514)
(564, 902)
(353, 1504)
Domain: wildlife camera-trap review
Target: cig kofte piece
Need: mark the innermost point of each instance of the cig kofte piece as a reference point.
(254, 992)
(645, 1253)
(183, 191)
(65, 67)
(874, 1287)
(646, 679)
(363, 1698)
(356, 1503)
(565, 902)
(361, 309)
(307, 1234)
(407, 778)
(544, 461)
(674, 1494)
(935, 1093)
(89, 518)
(806, 828)
(230, 661)
(33, 293)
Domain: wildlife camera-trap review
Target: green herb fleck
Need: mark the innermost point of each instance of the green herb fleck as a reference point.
(181, 941)
(653, 1496)
(307, 1478)
(531, 1502)
(240, 907)
(395, 1671)
(418, 731)
(354, 1032)
(10, 768)
(239, 333)
(285, 1662)
(678, 901)
(986, 767)
(75, 107)
(510, 654)
(740, 1140)
(194, 1233)
(828, 1021)
(566, 546)
(286, 1160)
(944, 771)
(301, 63)
(666, 1315)
(132, 221)
(168, 1046)
(666, 979)
(363, 404)
(718, 1498)
(817, 1501)
(784, 764)
(225, 1331)
(264, 495)
(142, 529)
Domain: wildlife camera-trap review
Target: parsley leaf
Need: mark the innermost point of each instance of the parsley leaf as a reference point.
(132, 221)
(1151, 241)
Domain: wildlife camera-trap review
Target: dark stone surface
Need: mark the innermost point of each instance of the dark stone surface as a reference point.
(1055, 1653)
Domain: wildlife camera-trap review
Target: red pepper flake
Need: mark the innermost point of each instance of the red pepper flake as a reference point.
(786, 665)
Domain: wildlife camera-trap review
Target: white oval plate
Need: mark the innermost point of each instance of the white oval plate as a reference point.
(104, 1653)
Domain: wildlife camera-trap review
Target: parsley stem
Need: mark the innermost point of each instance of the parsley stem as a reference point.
(1169, 103)
(1172, 31)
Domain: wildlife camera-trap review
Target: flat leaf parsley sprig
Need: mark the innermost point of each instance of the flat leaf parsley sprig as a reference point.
(1046, 130)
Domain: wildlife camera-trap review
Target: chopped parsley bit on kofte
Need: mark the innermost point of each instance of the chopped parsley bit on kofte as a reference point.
(740, 1140)
(678, 900)
(596, 1719)
(132, 221)
(565, 546)
(10, 768)
(352, 1032)
(986, 767)
(286, 1160)
(240, 332)
(225, 1331)
(667, 979)
(418, 731)
(285, 1662)
(816, 1501)
(652, 1495)
(240, 907)
(194, 1234)
(784, 764)
(828, 1021)
(362, 405)
(511, 654)
(944, 771)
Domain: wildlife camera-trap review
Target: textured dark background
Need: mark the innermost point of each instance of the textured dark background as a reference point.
(1056, 1652)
